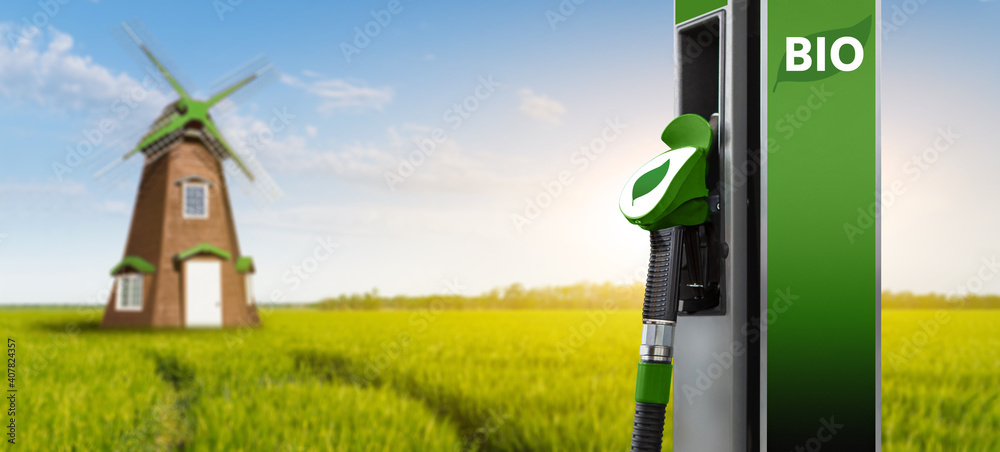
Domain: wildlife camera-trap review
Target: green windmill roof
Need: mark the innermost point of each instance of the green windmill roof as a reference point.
(203, 248)
(134, 262)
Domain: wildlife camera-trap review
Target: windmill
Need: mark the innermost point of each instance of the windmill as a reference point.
(182, 265)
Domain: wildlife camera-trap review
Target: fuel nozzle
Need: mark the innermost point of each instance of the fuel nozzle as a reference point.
(668, 197)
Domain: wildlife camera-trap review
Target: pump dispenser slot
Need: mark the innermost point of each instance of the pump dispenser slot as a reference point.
(700, 66)
(700, 69)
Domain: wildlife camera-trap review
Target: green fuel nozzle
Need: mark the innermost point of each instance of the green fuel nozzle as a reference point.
(668, 196)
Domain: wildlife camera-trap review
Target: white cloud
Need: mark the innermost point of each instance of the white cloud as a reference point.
(448, 167)
(541, 107)
(311, 131)
(291, 153)
(340, 94)
(361, 219)
(49, 74)
(37, 189)
(120, 207)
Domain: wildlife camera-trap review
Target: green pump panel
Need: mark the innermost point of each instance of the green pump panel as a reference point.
(820, 283)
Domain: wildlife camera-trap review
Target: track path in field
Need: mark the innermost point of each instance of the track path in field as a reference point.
(475, 425)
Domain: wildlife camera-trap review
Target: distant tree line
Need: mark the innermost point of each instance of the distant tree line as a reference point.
(595, 296)
(909, 300)
(514, 296)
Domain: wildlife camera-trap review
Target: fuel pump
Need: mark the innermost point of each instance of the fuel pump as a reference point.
(753, 206)
(669, 197)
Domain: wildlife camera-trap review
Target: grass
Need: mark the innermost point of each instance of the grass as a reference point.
(941, 380)
(428, 380)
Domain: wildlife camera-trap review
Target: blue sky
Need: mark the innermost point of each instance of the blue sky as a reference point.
(552, 90)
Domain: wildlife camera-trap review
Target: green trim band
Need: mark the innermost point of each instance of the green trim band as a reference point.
(244, 264)
(652, 383)
(685, 10)
(139, 264)
(203, 248)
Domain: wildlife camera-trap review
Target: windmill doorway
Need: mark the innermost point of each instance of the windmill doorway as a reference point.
(203, 293)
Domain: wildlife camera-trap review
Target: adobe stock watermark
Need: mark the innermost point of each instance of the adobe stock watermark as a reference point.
(494, 421)
(28, 28)
(790, 123)
(223, 7)
(915, 167)
(93, 137)
(794, 121)
(86, 313)
(365, 34)
(257, 140)
(915, 342)
(456, 116)
(261, 137)
(581, 334)
(784, 299)
(929, 328)
(562, 11)
(900, 15)
(580, 160)
(393, 348)
(828, 428)
(300, 272)
(293, 279)
(988, 270)
(693, 47)
(944, 140)
(161, 414)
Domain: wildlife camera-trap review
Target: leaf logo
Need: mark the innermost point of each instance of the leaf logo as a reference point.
(859, 31)
(648, 182)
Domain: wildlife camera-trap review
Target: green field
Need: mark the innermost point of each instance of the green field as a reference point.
(428, 380)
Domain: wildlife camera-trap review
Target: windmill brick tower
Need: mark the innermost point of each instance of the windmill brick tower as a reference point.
(182, 265)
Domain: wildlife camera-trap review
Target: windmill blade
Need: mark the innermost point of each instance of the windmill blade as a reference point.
(189, 118)
(158, 132)
(246, 169)
(228, 149)
(166, 74)
(154, 150)
(262, 190)
(139, 43)
(112, 167)
(238, 85)
(144, 49)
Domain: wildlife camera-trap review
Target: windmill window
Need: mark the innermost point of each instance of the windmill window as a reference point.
(195, 200)
(129, 297)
